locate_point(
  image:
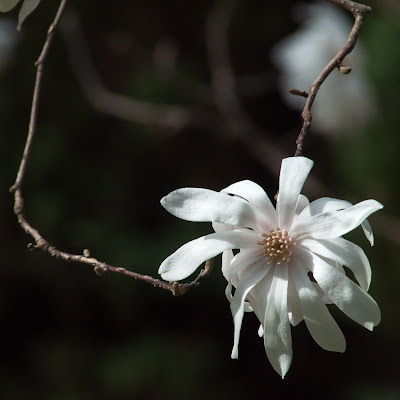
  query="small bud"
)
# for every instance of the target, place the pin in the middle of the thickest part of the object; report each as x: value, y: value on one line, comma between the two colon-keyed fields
x: 86, y: 253
x: 345, y: 70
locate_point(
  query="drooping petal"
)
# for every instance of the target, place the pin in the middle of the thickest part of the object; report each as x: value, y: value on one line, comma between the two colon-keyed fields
x: 366, y: 227
x: 295, y: 312
x: 319, y: 321
x: 187, y: 258
x: 203, y: 205
x: 333, y: 224
x: 251, y: 276
x: 277, y: 335
x: 345, y: 253
x: 227, y: 257
x: 258, y: 297
x: 294, y: 172
x: 257, y: 197
x: 243, y: 259
x: 348, y: 296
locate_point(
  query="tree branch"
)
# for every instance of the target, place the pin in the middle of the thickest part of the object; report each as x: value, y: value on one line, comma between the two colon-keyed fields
x: 41, y: 244
x: 359, y: 12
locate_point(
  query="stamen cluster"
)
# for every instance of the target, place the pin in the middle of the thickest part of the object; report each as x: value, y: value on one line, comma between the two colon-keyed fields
x: 277, y: 246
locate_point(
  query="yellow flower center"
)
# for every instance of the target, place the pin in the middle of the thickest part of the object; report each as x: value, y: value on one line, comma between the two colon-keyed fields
x: 277, y: 246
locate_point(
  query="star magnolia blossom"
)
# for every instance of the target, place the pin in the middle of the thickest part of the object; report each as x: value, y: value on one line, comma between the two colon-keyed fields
x: 279, y: 249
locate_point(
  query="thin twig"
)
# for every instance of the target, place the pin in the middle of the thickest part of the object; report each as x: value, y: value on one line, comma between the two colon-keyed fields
x: 40, y: 243
x: 359, y: 12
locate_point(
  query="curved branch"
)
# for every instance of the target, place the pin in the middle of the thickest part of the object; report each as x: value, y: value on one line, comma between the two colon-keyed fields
x: 359, y: 12
x: 41, y: 244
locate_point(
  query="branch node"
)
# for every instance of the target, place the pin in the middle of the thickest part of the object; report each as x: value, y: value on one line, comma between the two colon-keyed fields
x: 100, y: 269
x: 208, y: 267
x: 178, y: 289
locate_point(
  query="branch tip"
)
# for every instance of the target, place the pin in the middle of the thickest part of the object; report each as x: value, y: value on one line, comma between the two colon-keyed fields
x: 297, y: 92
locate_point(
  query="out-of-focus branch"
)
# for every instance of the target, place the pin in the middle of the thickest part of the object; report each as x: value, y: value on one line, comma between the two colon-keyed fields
x: 41, y: 244
x: 108, y: 102
x: 359, y: 12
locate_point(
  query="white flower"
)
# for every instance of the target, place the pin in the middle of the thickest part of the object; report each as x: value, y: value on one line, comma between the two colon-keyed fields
x: 345, y: 102
x: 279, y: 250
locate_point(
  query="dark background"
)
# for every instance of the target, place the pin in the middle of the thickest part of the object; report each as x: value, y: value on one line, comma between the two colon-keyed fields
x: 95, y: 180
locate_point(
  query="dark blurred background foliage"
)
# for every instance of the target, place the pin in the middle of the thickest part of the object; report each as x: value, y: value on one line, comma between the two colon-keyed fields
x: 94, y: 181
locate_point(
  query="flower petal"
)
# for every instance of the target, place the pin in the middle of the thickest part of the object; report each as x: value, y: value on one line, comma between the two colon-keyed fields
x: 257, y: 197
x: 366, y: 227
x: 277, y: 336
x: 325, y: 204
x: 333, y: 224
x: 344, y: 252
x: 242, y: 260
x: 302, y: 203
x: 348, y: 296
x: 294, y: 172
x: 319, y: 321
x: 187, y: 258
x: 251, y: 276
x: 227, y: 257
x: 295, y: 312
x: 203, y: 205
x: 27, y: 7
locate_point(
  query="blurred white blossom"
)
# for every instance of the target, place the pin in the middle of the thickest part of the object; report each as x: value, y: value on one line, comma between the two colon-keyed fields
x: 8, y: 40
x: 279, y: 249
x: 345, y: 103
x: 27, y: 7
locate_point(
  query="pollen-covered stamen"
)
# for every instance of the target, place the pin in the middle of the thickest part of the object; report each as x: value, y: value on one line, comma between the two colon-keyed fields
x: 277, y: 246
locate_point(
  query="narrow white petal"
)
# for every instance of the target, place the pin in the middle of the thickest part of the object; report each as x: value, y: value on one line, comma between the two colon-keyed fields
x: 239, y: 262
x: 333, y: 224
x: 344, y: 252
x: 203, y: 205
x: 260, y: 331
x: 218, y: 227
x: 348, y: 296
x: 258, y: 297
x: 366, y: 227
x: 294, y: 171
x: 302, y: 203
x: 253, y: 274
x: 187, y: 258
x: 321, y: 205
x: 277, y: 335
x: 319, y: 321
x: 227, y: 257
x: 322, y: 294
x: 244, y: 258
x: 257, y: 197
x: 295, y: 312
x: 325, y: 204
